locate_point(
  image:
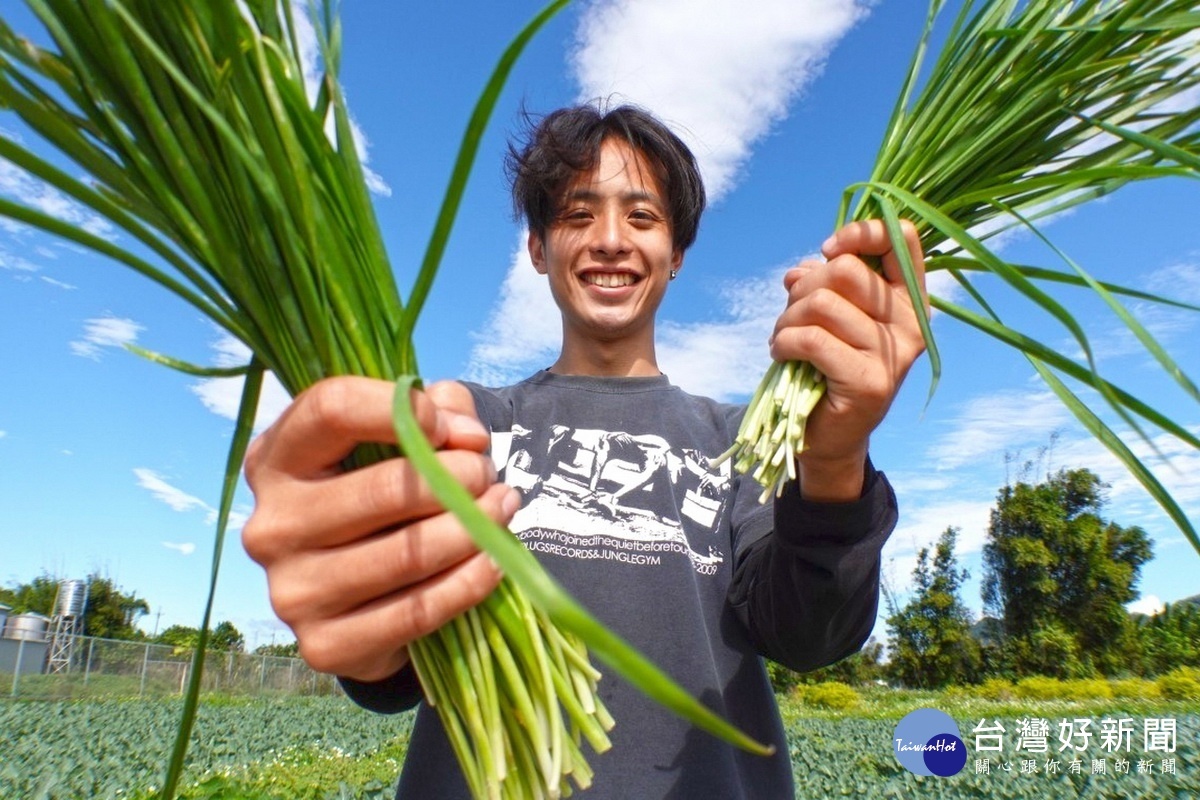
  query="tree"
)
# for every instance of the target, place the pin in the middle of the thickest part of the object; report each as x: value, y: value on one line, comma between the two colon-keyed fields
x: 224, y: 637
x: 181, y: 637
x: 228, y: 638
x: 1170, y: 638
x: 35, y: 597
x: 289, y: 650
x: 1059, y: 576
x: 109, y: 614
x: 930, y: 638
x: 861, y: 666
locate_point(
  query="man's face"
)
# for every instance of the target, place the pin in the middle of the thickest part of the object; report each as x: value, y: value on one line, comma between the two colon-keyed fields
x: 608, y: 252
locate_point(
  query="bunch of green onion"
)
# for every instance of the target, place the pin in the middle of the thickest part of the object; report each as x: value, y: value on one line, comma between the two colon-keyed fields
x: 243, y: 195
x: 1032, y: 107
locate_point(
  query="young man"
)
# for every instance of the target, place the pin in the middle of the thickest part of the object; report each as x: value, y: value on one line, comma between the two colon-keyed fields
x: 612, y: 463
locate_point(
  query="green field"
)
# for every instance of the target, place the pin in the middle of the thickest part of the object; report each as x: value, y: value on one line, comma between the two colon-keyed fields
x: 327, y: 748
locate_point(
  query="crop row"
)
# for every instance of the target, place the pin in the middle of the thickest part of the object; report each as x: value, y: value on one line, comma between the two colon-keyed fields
x: 326, y: 748
x: 853, y: 757
x: 119, y: 748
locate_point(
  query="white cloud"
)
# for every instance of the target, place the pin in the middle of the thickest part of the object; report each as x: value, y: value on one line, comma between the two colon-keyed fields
x: 3, y: 434
x: 58, y: 283
x: 942, y: 284
x: 310, y: 61
x: 1178, y: 470
x: 223, y: 396
x: 922, y: 523
x: 16, y: 263
x: 164, y: 492
x: 518, y: 333
x: 184, y: 548
x: 1180, y: 281
x: 181, y: 501
x: 710, y: 358
x: 235, y: 522
x: 990, y: 426
x: 1041, y: 437
x: 36, y: 194
x: 965, y: 506
x: 101, y: 332
x: 1148, y: 605
x: 721, y: 73
x: 1166, y: 324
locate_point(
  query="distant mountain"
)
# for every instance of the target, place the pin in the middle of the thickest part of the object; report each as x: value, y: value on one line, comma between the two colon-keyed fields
x: 988, y: 631
x: 1194, y: 600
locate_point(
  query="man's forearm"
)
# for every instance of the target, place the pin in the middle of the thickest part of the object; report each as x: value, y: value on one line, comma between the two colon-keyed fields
x: 808, y: 592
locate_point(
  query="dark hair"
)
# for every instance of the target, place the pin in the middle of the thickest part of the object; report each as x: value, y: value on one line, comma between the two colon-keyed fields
x: 566, y: 142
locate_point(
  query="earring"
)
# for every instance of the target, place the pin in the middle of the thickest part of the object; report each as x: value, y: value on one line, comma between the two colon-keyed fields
x: 674, y: 272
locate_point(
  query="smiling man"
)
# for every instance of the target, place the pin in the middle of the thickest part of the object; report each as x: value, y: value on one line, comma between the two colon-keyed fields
x: 684, y: 563
x: 608, y: 244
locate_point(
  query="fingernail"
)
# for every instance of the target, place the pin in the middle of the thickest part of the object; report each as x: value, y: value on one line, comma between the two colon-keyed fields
x: 465, y: 425
x: 510, y: 502
x: 829, y: 243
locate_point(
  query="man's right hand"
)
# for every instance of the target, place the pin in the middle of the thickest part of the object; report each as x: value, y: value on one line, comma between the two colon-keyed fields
x: 361, y: 563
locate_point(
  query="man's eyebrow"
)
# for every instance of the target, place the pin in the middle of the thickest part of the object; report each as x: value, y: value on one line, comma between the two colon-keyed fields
x: 589, y: 195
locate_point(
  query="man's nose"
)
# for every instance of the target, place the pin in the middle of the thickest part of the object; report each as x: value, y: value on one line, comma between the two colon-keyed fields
x: 609, y: 235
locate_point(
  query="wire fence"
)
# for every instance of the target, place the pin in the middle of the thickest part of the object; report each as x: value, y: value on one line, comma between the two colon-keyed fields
x: 85, y: 666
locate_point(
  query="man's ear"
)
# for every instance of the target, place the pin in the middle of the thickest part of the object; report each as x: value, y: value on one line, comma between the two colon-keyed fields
x: 676, y: 260
x: 537, y: 252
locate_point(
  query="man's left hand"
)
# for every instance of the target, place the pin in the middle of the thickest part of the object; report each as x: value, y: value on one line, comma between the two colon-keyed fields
x: 860, y: 329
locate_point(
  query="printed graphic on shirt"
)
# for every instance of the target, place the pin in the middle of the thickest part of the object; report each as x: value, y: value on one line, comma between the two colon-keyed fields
x: 595, y: 494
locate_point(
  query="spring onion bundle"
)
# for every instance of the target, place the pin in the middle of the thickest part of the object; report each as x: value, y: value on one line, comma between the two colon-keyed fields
x: 243, y: 195
x: 1031, y: 108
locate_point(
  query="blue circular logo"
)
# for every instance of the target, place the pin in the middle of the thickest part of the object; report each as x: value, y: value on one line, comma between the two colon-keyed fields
x: 928, y: 742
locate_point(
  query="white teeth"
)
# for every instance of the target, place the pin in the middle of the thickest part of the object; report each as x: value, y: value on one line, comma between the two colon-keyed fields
x: 610, y: 280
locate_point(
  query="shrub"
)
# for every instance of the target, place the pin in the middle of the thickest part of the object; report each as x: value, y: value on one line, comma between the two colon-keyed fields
x: 1087, y: 689
x: 832, y: 695
x: 783, y: 680
x: 1039, y: 687
x: 995, y: 689
x: 1136, y: 689
x: 1181, y: 683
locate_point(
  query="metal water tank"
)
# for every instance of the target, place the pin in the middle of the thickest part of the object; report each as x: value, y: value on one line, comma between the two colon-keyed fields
x: 72, y: 598
x: 30, y: 627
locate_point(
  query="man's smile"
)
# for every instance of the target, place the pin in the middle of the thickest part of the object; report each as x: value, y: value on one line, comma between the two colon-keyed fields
x: 610, y: 280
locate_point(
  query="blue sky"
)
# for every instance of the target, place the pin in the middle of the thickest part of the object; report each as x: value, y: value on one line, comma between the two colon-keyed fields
x: 113, y: 465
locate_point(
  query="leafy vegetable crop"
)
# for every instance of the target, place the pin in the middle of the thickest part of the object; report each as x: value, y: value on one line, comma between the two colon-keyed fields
x: 327, y: 748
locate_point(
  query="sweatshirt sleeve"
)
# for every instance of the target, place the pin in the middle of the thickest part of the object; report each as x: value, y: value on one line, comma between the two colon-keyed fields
x: 391, y: 695
x: 806, y: 574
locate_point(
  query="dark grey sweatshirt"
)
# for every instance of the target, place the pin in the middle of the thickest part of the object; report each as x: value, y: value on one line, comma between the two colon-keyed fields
x: 623, y: 507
